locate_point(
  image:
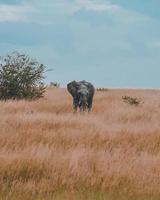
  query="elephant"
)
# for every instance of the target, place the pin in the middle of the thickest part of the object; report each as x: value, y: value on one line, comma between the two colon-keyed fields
x: 82, y: 93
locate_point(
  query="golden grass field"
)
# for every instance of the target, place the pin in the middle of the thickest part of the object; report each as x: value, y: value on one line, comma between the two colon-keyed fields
x: 113, y: 153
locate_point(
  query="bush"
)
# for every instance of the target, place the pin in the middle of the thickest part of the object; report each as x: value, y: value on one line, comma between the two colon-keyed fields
x: 131, y: 100
x: 21, y: 77
x: 54, y: 84
x: 102, y: 89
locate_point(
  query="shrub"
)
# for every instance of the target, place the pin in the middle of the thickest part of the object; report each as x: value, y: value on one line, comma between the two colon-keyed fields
x: 102, y: 89
x: 131, y: 100
x: 54, y: 84
x: 21, y: 77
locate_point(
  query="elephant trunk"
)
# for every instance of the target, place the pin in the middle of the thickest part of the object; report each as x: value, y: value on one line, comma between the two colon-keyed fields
x: 83, y: 103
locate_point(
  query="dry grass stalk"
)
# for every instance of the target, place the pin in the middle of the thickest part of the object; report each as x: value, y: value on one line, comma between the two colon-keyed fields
x: 44, y: 147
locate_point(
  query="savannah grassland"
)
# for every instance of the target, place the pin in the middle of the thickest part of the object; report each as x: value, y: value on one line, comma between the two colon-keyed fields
x: 49, y: 153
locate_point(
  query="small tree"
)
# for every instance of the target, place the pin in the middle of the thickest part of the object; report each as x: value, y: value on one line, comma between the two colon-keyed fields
x: 21, y: 77
x: 54, y: 84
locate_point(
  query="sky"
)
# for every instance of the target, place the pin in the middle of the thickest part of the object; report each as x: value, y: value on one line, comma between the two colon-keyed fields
x: 111, y: 43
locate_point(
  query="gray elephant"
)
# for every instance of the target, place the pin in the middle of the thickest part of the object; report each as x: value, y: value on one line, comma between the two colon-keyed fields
x: 82, y: 93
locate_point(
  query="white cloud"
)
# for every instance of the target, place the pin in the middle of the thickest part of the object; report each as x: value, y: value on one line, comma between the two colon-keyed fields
x: 73, y: 6
x: 97, y: 6
x: 15, y: 12
x: 156, y: 44
x: 50, y: 10
x: 46, y: 10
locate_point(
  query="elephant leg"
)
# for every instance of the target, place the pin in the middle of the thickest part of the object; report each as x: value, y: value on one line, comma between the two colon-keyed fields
x: 75, y: 108
x: 90, y: 104
x: 75, y: 105
x: 81, y: 109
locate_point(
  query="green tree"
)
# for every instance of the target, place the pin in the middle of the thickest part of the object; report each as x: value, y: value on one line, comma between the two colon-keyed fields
x: 21, y: 77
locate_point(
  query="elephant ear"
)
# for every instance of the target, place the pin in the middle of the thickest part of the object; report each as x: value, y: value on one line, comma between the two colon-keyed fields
x: 72, y: 88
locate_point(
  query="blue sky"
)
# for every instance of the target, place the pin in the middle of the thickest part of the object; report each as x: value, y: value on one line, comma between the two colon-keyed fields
x: 112, y: 43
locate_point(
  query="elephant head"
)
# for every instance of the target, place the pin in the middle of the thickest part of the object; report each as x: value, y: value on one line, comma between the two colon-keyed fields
x: 83, y: 97
x: 82, y: 93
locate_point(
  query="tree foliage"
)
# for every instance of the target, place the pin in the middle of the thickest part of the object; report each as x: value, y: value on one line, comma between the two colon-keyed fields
x: 21, y: 77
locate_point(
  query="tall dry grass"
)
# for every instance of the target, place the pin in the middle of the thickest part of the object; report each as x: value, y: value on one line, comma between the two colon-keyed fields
x: 45, y: 149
